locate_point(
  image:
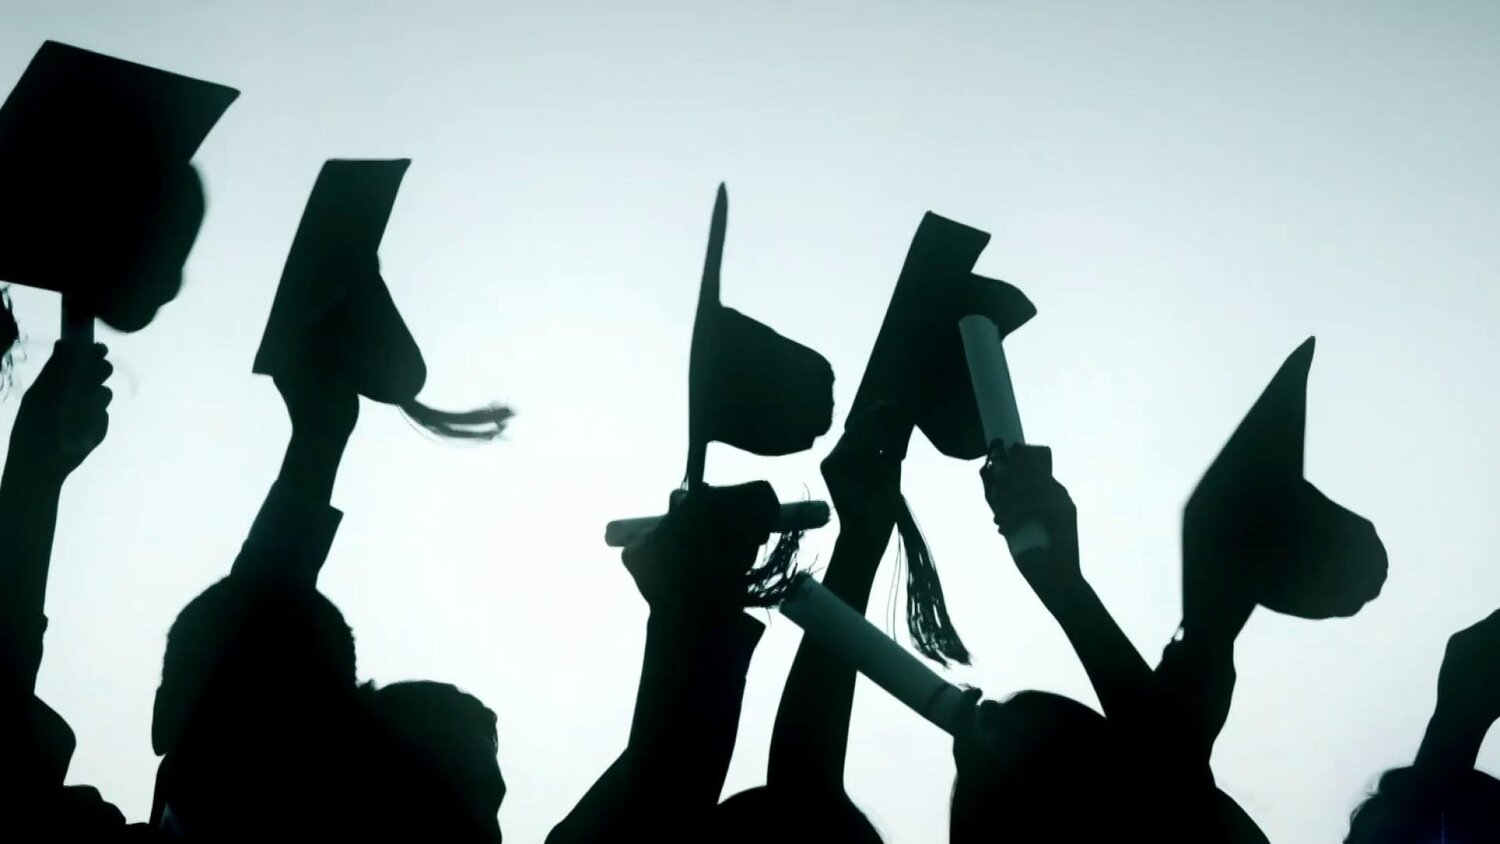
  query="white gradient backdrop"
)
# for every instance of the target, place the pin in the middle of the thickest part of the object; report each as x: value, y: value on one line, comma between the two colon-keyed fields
x: 1186, y: 190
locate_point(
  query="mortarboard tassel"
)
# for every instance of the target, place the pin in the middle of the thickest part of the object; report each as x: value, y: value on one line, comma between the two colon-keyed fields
x: 10, y: 333
x: 768, y: 584
x: 932, y: 631
x: 485, y: 423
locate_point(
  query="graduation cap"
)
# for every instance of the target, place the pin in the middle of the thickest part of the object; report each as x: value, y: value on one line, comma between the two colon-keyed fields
x: 918, y: 364
x: 333, y: 303
x: 748, y: 386
x: 1255, y: 519
x: 919, y: 368
x: 98, y: 198
x: 753, y: 389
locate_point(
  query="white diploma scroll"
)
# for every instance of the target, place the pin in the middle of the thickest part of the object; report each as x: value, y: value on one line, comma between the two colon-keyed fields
x: 848, y: 635
x: 998, y: 413
x: 797, y: 516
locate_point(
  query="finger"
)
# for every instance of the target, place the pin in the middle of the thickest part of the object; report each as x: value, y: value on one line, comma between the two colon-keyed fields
x: 96, y: 370
x: 100, y: 398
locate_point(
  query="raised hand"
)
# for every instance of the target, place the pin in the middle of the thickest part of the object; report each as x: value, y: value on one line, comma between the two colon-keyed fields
x: 1469, y: 682
x: 321, y: 401
x: 697, y: 556
x: 1020, y: 489
x: 64, y: 415
x: 324, y: 407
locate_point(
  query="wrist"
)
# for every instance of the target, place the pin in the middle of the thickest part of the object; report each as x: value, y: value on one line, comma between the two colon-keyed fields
x: 1453, y: 737
x: 1058, y: 587
x: 311, y: 464
x: 26, y: 470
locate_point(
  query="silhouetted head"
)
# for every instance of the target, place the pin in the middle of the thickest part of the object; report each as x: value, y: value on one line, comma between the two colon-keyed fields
x: 256, y: 707
x: 444, y: 783
x: 102, y: 203
x: 138, y: 263
x: 150, y: 266
x: 1038, y: 767
x: 791, y: 817
x: 1467, y: 813
x: 250, y: 650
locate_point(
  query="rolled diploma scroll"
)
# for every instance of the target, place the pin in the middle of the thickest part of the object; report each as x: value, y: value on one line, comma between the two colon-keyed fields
x: 998, y: 413
x: 849, y: 636
x: 77, y: 325
x: 800, y: 515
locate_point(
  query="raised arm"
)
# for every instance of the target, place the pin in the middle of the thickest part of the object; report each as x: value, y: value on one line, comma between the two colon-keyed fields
x: 1020, y: 489
x: 1168, y: 717
x: 811, y: 736
x: 1437, y: 792
x: 294, y: 529
x: 68, y: 394
x: 691, y: 570
x: 36, y: 744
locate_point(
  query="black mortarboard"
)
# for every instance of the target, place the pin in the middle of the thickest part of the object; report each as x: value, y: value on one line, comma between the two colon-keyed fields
x: 333, y: 302
x: 748, y: 386
x: 98, y: 198
x: 918, y: 369
x: 753, y: 389
x: 918, y: 364
x: 1255, y: 520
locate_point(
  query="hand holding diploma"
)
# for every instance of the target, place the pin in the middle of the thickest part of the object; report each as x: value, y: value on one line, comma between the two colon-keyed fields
x: 998, y: 415
x: 64, y: 415
x: 1023, y: 496
x: 791, y: 518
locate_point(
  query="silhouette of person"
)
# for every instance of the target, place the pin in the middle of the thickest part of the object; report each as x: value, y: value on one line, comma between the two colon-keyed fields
x: 441, y: 781
x: 693, y: 570
x: 1143, y: 720
x: 809, y: 743
x: 36, y: 744
x: 257, y: 715
x: 263, y: 728
x: 1441, y: 796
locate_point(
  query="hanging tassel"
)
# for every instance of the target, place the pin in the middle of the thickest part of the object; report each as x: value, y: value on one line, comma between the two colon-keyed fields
x: 927, y: 618
x: 485, y: 423
x: 10, y: 334
x: 767, y: 584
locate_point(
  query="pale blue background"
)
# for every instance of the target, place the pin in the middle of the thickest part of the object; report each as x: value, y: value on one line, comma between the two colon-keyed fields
x: 1186, y: 190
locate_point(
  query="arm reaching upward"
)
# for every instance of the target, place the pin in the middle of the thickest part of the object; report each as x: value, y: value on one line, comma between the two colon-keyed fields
x: 691, y: 570
x: 1166, y: 717
x: 68, y: 394
x: 1441, y: 792
x: 1021, y: 490
x: 294, y: 530
x: 811, y: 736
